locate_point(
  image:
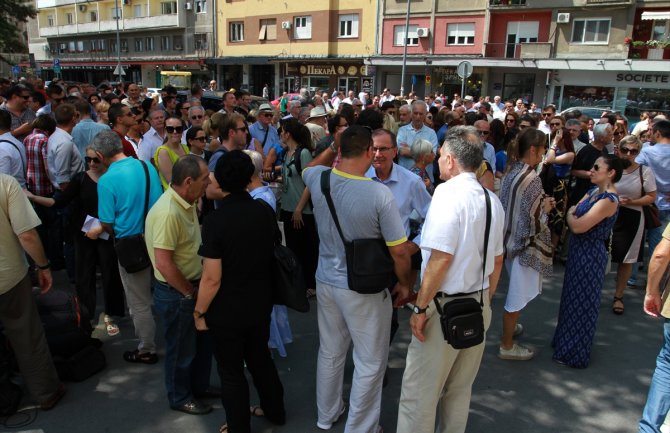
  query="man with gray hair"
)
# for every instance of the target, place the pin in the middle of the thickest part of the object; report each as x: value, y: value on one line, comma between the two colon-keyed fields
x: 417, y: 129
x: 581, y: 166
x: 121, y: 202
x: 293, y: 109
x: 196, y: 117
x: 258, y: 189
x: 575, y: 128
x: 438, y: 377
x: 404, y: 114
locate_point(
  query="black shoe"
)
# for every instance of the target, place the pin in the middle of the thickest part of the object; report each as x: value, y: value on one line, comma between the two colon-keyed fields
x: 193, y: 407
x: 210, y: 392
x: 140, y: 358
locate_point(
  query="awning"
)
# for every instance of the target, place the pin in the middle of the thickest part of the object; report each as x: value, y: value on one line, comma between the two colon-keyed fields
x: 656, y: 15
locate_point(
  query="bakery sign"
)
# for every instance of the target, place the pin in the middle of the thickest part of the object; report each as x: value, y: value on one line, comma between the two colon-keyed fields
x: 325, y: 69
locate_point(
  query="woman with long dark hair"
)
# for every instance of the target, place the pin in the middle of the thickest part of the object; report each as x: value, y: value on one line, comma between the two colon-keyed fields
x: 560, y: 155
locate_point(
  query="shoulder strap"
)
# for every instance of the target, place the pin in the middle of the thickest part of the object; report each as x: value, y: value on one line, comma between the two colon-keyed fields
x: 146, y: 193
x: 265, y: 138
x: 325, y: 190
x: 642, y: 183
x: 487, y: 231
x: 278, y: 235
x: 23, y: 163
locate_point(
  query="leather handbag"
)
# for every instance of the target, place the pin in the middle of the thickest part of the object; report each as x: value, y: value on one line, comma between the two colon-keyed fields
x: 652, y: 216
x: 132, y: 250
x: 462, y: 320
x: 370, y: 266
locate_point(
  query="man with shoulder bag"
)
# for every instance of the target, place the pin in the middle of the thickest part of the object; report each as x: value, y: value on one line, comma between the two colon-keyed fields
x: 126, y: 192
x: 362, y: 243
x: 460, y: 272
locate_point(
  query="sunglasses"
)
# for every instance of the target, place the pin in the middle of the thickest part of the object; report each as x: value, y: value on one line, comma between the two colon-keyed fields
x: 241, y: 128
x: 596, y: 167
x: 522, y: 126
x: 267, y: 114
x: 555, y: 124
x: 202, y: 139
x: 89, y: 160
x: 510, y: 120
x: 199, y: 116
x: 628, y: 151
x: 186, y: 108
x: 546, y: 114
x: 25, y: 97
x: 173, y: 129
x: 483, y: 132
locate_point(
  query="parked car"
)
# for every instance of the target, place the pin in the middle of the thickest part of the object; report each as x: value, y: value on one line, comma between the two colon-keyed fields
x: 291, y: 97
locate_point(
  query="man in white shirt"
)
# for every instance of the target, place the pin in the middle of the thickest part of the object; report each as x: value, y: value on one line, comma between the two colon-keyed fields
x: 155, y: 137
x: 386, y: 96
x: 63, y: 157
x: 408, y: 134
x: 12, y: 151
x: 547, y: 113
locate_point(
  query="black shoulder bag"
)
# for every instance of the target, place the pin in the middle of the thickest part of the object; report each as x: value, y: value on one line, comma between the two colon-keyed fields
x: 132, y: 250
x: 462, y: 319
x: 652, y: 216
x: 369, y: 262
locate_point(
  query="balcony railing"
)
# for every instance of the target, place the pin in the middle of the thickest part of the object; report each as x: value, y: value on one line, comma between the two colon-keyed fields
x: 645, y: 53
x: 506, y: 3
x: 524, y: 50
x: 160, y: 21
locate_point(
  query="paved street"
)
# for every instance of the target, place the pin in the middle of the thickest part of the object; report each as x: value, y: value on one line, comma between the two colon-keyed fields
x: 519, y: 397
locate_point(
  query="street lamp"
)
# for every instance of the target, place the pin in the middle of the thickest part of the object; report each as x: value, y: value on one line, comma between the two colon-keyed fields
x: 404, y: 53
x: 119, y: 70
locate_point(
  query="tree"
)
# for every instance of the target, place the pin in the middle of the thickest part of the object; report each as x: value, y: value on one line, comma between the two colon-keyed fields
x: 12, y: 14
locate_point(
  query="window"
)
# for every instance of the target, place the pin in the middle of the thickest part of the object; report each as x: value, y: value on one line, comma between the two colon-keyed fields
x: 149, y: 43
x: 62, y: 48
x: 200, y: 6
x: 80, y: 46
x: 461, y: 34
x: 116, y: 13
x: 94, y: 16
x: 348, y: 26
x: 591, y: 31
x: 124, y: 45
x: 69, y: 17
x: 236, y: 32
x: 50, y: 20
x: 178, y: 42
x: 399, y: 36
x: 268, y: 30
x: 165, y: 43
x: 520, y: 32
x: 303, y: 27
x: 112, y: 45
x: 98, y: 45
x: 168, y: 8
x: 200, y: 41
x: 71, y: 47
x: 139, y: 44
x: 660, y: 30
x: 138, y: 11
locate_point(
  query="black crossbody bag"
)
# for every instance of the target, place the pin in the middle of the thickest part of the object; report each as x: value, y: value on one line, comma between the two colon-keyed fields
x: 369, y: 262
x: 462, y: 320
x: 132, y: 250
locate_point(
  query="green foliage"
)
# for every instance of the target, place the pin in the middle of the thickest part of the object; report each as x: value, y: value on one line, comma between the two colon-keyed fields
x: 12, y: 13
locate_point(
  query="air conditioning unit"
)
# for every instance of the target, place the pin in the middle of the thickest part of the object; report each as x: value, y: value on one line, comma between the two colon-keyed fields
x: 285, y: 24
x: 422, y: 32
x: 82, y: 8
x: 188, y: 6
x: 563, y: 18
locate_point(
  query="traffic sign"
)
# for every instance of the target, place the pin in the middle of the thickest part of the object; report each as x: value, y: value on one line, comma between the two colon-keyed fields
x: 428, y: 80
x: 119, y: 70
x: 464, y: 69
x: 16, y: 69
x: 56, y: 62
x: 413, y: 80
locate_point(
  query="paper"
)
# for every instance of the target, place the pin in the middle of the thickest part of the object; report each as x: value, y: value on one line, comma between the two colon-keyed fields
x: 91, y: 223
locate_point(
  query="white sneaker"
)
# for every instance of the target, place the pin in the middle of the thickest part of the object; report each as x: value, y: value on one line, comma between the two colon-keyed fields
x: 516, y: 353
x: 328, y: 426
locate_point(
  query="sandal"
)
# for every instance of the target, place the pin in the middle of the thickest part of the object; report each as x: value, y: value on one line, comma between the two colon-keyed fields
x: 112, y: 328
x: 617, y: 310
x: 223, y: 428
x: 140, y: 358
x: 256, y: 411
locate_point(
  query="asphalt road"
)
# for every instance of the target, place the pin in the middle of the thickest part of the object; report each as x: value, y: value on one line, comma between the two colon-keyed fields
x: 508, y: 396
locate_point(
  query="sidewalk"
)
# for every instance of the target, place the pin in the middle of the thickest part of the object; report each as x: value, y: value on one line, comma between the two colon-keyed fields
x: 520, y: 397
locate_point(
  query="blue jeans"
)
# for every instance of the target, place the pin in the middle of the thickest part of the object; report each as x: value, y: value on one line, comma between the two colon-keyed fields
x: 176, y: 314
x: 658, y: 400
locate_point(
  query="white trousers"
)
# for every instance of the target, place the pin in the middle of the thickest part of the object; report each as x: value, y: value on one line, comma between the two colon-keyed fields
x: 438, y: 379
x: 346, y: 316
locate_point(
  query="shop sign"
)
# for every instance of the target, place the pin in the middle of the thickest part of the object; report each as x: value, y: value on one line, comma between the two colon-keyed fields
x: 643, y: 78
x: 449, y: 75
x: 326, y: 69
x: 368, y: 84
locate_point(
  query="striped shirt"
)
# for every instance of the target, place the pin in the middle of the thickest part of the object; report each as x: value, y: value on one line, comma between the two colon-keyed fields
x: 36, y: 154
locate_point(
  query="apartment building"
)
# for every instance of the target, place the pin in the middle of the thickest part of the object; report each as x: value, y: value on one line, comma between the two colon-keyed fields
x: 567, y: 52
x: 288, y: 45
x: 155, y: 35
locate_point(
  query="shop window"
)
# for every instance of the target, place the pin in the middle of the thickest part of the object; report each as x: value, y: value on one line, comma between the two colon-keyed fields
x: 591, y: 31
x: 200, y: 41
x: 139, y: 44
x: 268, y: 30
x: 168, y: 8
x: 461, y: 34
x: 518, y: 86
x: 236, y: 32
x: 302, y: 27
x: 200, y: 6
x: 348, y: 26
x: 94, y: 16
x: 400, y: 36
x: 149, y: 43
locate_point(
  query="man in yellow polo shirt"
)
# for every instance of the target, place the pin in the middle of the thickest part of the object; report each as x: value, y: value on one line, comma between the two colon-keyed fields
x: 173, y: 237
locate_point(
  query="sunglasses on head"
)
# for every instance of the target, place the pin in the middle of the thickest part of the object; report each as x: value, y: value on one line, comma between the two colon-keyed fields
x: 173, y: 129
x: 89, y: 160
x: 628, y: 151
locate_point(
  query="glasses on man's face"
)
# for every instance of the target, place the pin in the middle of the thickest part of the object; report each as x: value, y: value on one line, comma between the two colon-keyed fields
x: 89, y: 160
x: 241, y: 129
x: 267, y: 114
x: 381, y: 149
x: 186, y: 108
x: 628, y: 151
x: 201, y: 139
x: 174, y: 129
x: 197, y: 116
x: 546, y: 114
x: 618, y: 133
x: 25, y: 97
x: 483, y: 132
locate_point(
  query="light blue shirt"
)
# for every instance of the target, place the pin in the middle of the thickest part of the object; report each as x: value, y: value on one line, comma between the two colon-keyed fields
x: 408, y: 190
x: 258, y: 132
x: 408, y: 135
x: 657, y: 158
x: 84, y: 131
x: 265, y: 193
x: 490, y: 155
x: 121, y: 195
x: 13, y: 158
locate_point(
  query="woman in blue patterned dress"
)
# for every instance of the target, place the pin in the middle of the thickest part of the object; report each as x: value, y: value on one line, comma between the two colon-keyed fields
x: 591, y: 222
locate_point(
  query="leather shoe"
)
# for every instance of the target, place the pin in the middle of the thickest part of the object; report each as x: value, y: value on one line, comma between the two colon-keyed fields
x: 210, y: 392
x: 193, y: 407
x: 49, y: 403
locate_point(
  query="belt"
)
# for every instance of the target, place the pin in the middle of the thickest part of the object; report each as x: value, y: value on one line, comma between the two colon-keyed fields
x: 455, y: 295
x: 194, y: 283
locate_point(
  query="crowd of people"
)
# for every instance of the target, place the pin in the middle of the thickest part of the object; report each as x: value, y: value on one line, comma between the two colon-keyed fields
x: 171, y: 201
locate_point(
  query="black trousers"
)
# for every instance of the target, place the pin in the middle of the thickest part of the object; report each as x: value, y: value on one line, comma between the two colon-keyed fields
x: 89, y: 253
x: 304, y: 242
x: 234, y: 346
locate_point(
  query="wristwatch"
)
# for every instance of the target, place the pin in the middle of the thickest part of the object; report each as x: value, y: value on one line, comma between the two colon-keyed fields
x: 45, y: 267
x: 417, y: 310
x: 197, y: 314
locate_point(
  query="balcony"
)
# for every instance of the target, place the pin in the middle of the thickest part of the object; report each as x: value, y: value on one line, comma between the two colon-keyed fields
x: 143, y: 23
x: 524, y: 50
x: 608, y: 2
x: 645, y: 53
x: 506, y: 3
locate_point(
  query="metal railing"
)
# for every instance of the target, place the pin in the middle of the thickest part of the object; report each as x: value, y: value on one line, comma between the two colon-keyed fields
x: 524, y: 50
